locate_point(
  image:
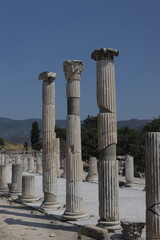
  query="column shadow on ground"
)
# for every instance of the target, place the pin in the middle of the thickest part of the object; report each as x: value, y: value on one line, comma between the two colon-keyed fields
x: 25, y: 215
x: 12, y: 221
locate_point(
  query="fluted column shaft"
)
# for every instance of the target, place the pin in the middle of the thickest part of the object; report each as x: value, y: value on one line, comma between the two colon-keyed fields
x: 153, y: 186
x: 74, y: 206
x: 49, y: 141
x: 28, y: 189
x: 16, y: 185
x: 107, y: 138
x: 3, y: 179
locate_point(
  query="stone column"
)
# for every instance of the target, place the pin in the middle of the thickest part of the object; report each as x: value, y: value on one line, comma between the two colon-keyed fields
x: 16, y: 185
x: 38, y: 165
x: 28, y: 189
x: 31, y: 164
x: 129, y: 171
x: 49, y: 141
x: 18, y: 159
x: 92, y: 175
x: 58, y: 156
x: 25, y: 163
x: 107, y: 138
x: 3, y: 179
x: 2, y: 160
x: 152, y: 186
x: 74, y: 208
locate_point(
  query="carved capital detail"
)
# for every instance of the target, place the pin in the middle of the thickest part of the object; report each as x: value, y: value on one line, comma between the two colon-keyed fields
x: 73, y: 69
x: 104, y: 53
x: 47, y: 76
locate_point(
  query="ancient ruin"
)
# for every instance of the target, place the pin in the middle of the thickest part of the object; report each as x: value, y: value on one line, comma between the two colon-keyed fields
x: 74, y: 204
x: 153, y: 186
x: 49, y: 141
x: 107, y: 138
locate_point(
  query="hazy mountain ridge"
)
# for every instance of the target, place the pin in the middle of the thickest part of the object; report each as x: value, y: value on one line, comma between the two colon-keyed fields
x: 18, y: 131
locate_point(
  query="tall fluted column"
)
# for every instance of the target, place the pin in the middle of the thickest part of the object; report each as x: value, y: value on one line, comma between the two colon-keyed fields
x: 74, y: 208
x: 49, y: 141
x: 107, y: 138
x: 153, y: 186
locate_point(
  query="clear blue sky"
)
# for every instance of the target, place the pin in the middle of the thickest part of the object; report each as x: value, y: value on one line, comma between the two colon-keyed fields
x: 39, y: 35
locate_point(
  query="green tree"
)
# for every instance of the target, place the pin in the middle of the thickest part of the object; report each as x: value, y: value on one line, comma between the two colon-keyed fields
x: 35, y: 136
x: 153, y: 126
x: 89, y: 138
x: 131, y: 141
x: 2, y: 142
x: 26, y: 146
x: 61, y: 133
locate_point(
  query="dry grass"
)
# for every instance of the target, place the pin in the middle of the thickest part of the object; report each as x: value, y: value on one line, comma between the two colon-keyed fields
x: 14, y: 146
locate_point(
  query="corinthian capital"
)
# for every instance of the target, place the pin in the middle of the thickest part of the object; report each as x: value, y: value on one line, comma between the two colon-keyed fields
x: 47, y: 76
x: 73, y: 69
x: 104, y: 53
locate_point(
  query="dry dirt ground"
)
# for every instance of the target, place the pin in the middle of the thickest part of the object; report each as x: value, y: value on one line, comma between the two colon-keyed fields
x: 20, y: 222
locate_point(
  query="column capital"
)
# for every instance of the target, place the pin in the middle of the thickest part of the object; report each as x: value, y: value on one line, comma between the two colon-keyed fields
x: 73, y: 69
x: 104, y: 53
x: 47, y: 76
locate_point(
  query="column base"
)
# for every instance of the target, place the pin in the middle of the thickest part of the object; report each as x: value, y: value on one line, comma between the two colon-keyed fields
x: 111, y: 226
x: 15, y: 193
x: 4, y: 190
x: 50, y: 205
x: 129, y: 184
x: 73, y: 216
x: 28, y: 199
x: 92, y: 180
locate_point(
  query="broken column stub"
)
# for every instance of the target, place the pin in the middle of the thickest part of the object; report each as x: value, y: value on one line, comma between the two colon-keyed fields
x: 92, y: 175
x: 3, y: 179
x: 58, y: 156
x: 28, y: 189
x: 107, y: 138
x: 74, y: 205
x: 129, y: 171
x: 16, y: 185
x: 152, y: 162
x: 49, y: 142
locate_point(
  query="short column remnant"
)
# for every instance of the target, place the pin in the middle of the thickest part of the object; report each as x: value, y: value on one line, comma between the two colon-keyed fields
x: 58, y: 156
x: 16, y: 184
x: 152, y: 153
x: 107, y: 138
x: 25, y: 163
x: 31, y: 164
x: 28, y: 189
x: 129, y: 171
x: 74, y: 206
x: 49, y: 142
x: 38, y: 165
x: 18, y: 159
x: 2, y: 162
x: 3, y: 179
x: 93, y: 173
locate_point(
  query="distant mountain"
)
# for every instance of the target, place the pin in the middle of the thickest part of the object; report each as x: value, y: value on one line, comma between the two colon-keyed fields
x: 133, y: 123
x: 18, y: 131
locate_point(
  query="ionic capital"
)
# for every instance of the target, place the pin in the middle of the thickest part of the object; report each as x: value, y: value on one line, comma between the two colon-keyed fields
x: 104, y: 53
x: 47, y: 76
x: 73, y: 69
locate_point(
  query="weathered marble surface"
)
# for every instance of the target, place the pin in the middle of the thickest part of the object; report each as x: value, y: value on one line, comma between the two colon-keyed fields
x: 74, y: 199
x: 107, y: 138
